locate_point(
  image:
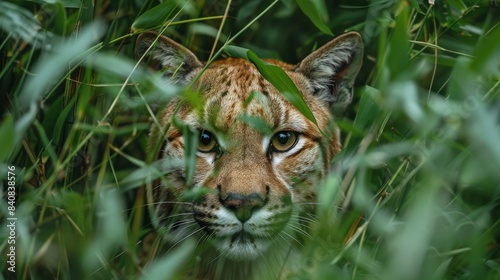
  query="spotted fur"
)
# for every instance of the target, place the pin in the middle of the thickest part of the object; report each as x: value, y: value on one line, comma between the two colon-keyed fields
x: 257, y: 199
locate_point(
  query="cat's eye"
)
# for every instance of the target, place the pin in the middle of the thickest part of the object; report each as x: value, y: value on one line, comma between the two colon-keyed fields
x: 283, y: 141
x: 207, y: 142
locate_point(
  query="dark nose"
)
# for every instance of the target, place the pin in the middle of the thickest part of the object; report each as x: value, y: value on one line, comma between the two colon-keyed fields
x: 243, y: 206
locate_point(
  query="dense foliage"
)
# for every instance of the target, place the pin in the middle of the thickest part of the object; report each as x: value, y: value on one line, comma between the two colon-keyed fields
x: 421, y: 162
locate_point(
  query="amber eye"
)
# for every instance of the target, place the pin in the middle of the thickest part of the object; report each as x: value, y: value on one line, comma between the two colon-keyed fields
x: 207, y: 142
x: 283, y: 141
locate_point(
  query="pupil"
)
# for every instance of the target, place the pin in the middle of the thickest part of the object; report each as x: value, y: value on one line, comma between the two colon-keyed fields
x: 283, y: 138
x: 205, y: 138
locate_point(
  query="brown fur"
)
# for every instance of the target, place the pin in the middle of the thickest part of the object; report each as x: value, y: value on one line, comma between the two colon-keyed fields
x: 256, y: 196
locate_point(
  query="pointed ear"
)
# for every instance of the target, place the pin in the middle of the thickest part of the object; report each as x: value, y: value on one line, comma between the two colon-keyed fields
x: 177, y: 63
x: 332, y: 69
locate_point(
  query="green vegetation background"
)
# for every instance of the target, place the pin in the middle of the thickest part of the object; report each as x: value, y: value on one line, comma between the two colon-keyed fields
x: 420, y: 169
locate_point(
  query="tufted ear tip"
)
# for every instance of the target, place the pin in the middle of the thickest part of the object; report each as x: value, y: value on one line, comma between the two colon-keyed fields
x: 177, y: 63
x: 332, y: 70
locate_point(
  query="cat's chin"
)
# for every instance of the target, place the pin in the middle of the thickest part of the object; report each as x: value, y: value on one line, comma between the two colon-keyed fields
x: 242, y: 247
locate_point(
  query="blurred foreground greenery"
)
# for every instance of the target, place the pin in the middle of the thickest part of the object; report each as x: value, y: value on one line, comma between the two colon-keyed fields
x: 421, y: 160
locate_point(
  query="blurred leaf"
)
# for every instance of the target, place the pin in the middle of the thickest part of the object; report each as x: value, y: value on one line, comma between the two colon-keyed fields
x: 416, y: 6
x: 61, y: 120
x: 409, y: 243
x: 111, y: 229
x: 403, y: 95
x: 190, y: 150
x: 459, y: 4
x: 166, y: 267
x: 378, y: 156
x: 190, y: 137
x: 257, y: 123
x: 463, y: 81
x: 74, y: 203
x: 64, y: 3
x: 248, y: 9
x: 368, y: 109
x: 316, y: 12
x: 7, y: 137
x: 110, y: 213
x: 48, y: 70
x: 22, y: 24
x: 70, y: 3
x: 51, y: 67
x: 328, y: 193
x: 24, y: 122
x: 157, y: 16
x: 194, y: 99
x: 487, y: 54
x: 120, y: 131
x: 112, y: 63
x: 277, y: 77
x: 485, y: 134
x: 205, y: 29
x: 139, y: 176
x: 147, y: 173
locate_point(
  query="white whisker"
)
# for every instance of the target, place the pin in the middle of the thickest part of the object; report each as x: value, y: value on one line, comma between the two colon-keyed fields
x: 293, y: 238
x: 216, y: 258
x: 284, y: 238
x: 186, y: 237
x: 299, y: 230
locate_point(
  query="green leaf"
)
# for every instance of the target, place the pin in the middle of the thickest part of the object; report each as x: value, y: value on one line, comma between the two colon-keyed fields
x: 277, y: 77
x: 415, y: 5
x: 111, y: 229
x: 487, y: 53
x: 64, y: 3
x: 60, y: 20
x: 368, y: 109
x: 399, y: 45
x: 191, y: 144
x: 157, y: 16
x: 73, y: 203
x: 256, y: 122
x: 70, y: 3
x: 112, y: 63
x: 6, y: 137
x: 143, y: 174
x: 205, y: 29
x: 61, y: 119
x: 166, y: 267
x: 312, y: 9
x: 50, y: 68
x: 86, y: 11
x: 248, y: 9
x: 459, y: 4
x: 22, y: 24
x: 190, y: 137
x: 407, y: 102
x: 25, y: 121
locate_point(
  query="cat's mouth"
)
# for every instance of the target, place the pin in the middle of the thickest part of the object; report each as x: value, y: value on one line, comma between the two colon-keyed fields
x: 242, y: 240
x: 242, y: 246
x: 242, y: 237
